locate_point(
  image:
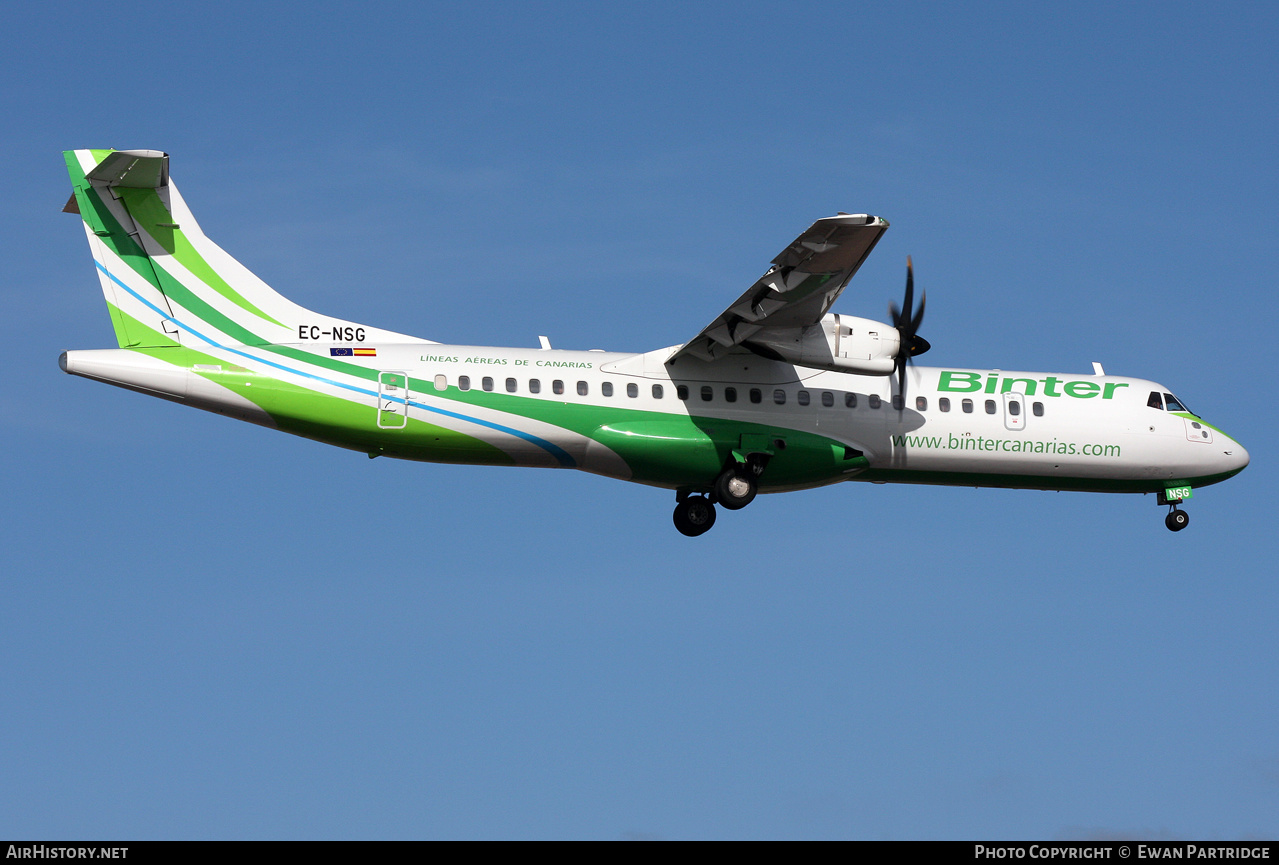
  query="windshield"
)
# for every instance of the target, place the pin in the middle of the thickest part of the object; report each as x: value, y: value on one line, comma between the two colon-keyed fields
x: 1174, y: 404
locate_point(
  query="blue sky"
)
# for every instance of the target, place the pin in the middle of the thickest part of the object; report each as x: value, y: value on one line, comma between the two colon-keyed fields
x: 215, y: 631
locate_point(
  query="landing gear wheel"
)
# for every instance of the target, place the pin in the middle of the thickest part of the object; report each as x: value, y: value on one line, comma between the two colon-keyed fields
x: 694, y: 516
x: 735, y: 489
x: 1177, y: 520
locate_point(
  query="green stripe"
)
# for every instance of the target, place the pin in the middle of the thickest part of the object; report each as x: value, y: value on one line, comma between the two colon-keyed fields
x: 149, y: 212
x: 669, y: 448
x: 143, y: 336
x: 346, y: 423
x: 118, y: 323
x: 331, y: 419
x: 1036, y: 482
x: 99, y: 219
x: 1189, y: 416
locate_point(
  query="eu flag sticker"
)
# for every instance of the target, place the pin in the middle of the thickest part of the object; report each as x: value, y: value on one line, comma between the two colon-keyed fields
x: 339, y: 352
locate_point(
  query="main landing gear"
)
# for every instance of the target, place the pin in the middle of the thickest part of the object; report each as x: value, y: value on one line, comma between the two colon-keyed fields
x: 735, y: 488
x: 694, y: 516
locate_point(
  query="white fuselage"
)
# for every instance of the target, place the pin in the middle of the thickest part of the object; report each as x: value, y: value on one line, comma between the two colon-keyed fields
x: 1041, y: 430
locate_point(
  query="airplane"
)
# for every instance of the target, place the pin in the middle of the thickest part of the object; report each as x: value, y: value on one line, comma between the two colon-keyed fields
x: 775, y: 394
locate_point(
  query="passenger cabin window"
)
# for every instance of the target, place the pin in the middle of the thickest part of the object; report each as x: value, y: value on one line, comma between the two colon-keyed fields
x: 463, y: 382
x: 441, y: 382
x: 511, y: 385
x: 582, y: 389
x: 990, y: 406
x: 850, y: 400
x: 607, y: 388
x: 803, y: 397
x: 534, y: 385
x: 779, y: 396
x: 487, y: 383
x: 898, y: 402
x: 828, y: 398
x: 730, y: 394
x: 921, y: 403
x: 657, y: 391
x: 1014, y: 407
x: 757, y: 395
x: 968, y: 406
x: 943, y: 403
x: 1155, y: 400
x: 707, y: 393
x: 632, y: 390
x: 557, y: 386
x: 1038, y: 409
x: 681, y: 391
x: 873, y: 400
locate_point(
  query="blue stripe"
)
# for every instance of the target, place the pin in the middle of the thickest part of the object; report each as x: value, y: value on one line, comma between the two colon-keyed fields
x: 562, y: 456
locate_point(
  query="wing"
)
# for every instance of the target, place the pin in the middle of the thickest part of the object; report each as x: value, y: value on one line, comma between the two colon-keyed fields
x: 798, y: 289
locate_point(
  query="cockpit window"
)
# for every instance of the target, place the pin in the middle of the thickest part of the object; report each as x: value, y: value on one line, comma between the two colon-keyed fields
x: 1155, y: 401
x: 1172, y: 404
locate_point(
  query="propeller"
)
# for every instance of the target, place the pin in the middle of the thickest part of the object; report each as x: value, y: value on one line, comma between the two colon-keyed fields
x: 907, y: 323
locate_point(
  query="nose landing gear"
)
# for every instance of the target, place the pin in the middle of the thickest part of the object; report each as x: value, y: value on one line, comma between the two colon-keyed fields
x: 1176, y: 519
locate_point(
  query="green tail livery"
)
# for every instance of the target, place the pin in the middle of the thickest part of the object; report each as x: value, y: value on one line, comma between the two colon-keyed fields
x: 775, y: 394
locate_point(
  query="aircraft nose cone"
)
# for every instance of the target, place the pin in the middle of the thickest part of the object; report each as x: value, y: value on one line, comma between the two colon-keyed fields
x: 1238, y: 457
x: 1231, y: 457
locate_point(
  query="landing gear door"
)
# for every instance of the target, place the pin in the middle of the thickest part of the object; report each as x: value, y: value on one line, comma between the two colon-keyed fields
x: 1015, y: 411
x: 392, y: 400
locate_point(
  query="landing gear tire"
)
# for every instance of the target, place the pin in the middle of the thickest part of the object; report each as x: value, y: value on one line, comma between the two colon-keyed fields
x: 735, y: 489
x: 694, y: 516
x: 1177, y: 520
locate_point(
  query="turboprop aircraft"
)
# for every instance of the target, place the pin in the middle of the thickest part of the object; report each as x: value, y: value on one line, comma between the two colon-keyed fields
x: 775, y: 394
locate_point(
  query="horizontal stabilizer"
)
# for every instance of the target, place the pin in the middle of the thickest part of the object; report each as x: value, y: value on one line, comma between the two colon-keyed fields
x: 133, y: 169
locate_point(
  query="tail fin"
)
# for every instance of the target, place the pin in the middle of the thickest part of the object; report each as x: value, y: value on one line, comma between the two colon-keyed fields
x: 165, y: 282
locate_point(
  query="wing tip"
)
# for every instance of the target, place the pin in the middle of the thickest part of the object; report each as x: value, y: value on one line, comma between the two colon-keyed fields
x: 858, y: 219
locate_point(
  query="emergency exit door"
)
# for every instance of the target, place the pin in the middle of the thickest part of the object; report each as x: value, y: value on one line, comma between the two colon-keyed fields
x: 1015, y: 411
x: 392, y: 400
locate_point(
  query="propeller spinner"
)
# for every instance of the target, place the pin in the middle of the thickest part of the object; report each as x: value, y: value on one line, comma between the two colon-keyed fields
x: 907, y: 325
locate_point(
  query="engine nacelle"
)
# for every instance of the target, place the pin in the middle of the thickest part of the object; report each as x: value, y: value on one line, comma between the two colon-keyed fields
x: 842, y: 343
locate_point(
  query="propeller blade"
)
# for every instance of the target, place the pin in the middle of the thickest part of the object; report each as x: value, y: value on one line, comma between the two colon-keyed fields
x: 907, y: 321
x: 908, y: 303
x: 919, y: 316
